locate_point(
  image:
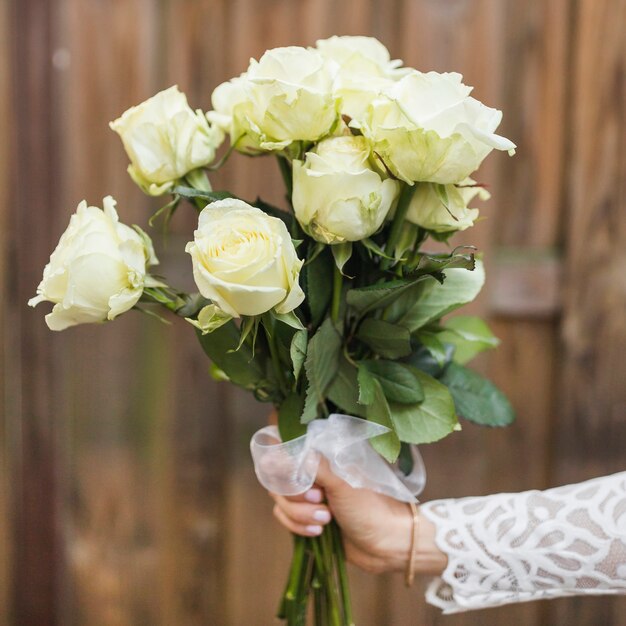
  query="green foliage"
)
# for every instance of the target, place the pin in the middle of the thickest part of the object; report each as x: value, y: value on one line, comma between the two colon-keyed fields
x: 241, y: 367
x: 432, y: 341
x: 422, y: 359
x: 291, y: 319
x: 297, y: 351
x: 430, y: 420
x: 388, y: 340
x: 435, y: 263
x: 317, y: 282
x: 344, y: 390
x: 373, y: 297
x: 476, y: 398
x: 399, y: 382
x: 289, y: 424
x: 429, y: 300
x: 374, y: 249
x: 189, y: 193
x: 321, y: 364
x: 387, y: 444
x: 342, y: 253
x: 469, y: 336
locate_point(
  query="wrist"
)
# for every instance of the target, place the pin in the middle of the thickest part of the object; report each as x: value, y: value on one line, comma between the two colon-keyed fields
x: 428, y: 559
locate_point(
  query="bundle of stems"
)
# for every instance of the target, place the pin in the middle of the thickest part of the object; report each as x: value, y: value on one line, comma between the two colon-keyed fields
x: 318, y: 573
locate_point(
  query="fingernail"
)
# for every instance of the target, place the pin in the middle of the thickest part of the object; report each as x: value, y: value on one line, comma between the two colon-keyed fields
x: 313, y: 495
x: 322, y: 516
x: 314, y: 530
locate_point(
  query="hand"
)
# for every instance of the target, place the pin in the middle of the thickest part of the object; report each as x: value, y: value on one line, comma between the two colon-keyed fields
x: 376, y: 529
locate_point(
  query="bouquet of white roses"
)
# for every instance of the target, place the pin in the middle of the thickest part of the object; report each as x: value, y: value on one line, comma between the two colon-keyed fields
x: 333, y: 305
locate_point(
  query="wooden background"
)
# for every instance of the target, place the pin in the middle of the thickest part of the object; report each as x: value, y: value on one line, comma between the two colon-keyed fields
x: 127, y: 495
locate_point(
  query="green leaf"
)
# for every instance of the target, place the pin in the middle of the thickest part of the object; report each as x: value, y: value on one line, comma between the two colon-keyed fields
x: 435, y: 346
x: 423, y: 360
x: 366, y: 385
x: 291, y: 319
x: 321, y: 364
x: 210, y: 318
x: 344, y: 390
x: 189, y: 193
x: 476, y: 398
x: 387, y: 444
x: 289, y: 424
x: 407, y: 240
x: 386, y: 339
x: 428, y: 421
x: 469, y: 336
x: 366, y: 299
x: 297, y: 351
x: 217, y: 374
x: 239, y: 365
x: 249, y: 325
x: 434, y: 263
x: 317, y: 278
x: 405, y: 460
x: 429, y: 300
x: 373, y: 247
x: 400, y: 382
x: 342, y: 253
x: 168, y: 210
x: 194, y: 303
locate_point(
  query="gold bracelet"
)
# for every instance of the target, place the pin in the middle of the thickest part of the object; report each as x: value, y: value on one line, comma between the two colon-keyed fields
x: 410, y: 570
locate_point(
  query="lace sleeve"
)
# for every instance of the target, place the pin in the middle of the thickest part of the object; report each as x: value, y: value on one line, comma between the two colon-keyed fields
x: 517, y: 547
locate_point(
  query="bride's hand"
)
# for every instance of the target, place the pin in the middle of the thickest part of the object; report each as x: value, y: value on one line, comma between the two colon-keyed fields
x: 376, y: 529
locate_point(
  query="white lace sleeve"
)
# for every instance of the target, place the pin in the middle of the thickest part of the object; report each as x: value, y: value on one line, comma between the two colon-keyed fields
x: 517, y: 547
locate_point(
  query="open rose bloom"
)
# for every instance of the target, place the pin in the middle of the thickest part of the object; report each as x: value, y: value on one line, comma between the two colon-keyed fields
x: 98, y: 270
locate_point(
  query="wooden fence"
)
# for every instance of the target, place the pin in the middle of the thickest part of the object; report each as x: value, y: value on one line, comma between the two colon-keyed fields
x: 128, y: 497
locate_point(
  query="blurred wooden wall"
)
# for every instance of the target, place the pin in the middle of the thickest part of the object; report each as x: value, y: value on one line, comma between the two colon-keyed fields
x: 127, y: 494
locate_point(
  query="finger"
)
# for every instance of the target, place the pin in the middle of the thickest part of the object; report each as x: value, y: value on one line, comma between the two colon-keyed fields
x: 304, y: 512
x: 306, y: 530
x: 314, y: 495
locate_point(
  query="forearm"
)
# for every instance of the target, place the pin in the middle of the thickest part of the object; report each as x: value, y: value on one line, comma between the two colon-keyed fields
x: 532, y: 545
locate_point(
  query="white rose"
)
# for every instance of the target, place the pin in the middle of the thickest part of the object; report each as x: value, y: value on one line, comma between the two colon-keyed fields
x: 244, y: 260
x: 225, y: 98
x: 427, y: 209
x: 98, y: 269
x: 427, y: 128
x: 363, y: 69
x: 286, y: 96
x: 165, y: 140
x: 365, y: 55
x: 337, y: 196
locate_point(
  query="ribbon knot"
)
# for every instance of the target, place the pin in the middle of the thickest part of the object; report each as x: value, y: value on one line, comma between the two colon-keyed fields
x: 289, y: 468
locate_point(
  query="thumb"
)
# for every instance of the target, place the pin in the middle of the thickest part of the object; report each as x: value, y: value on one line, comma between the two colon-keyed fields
x: 328, y: 480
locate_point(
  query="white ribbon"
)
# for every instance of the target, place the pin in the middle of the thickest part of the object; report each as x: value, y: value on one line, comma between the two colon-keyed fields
x: 290, y: 468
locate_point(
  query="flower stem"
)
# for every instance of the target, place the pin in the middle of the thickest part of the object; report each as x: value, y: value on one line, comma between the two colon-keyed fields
x: 336, y: 301
x: 322, y: 550
x: 340, y: 560
x: 270, y: 333
x: 286, y: 173
x: 398, y: 221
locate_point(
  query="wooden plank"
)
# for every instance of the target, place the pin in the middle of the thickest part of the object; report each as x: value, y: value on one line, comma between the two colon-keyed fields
x: 525, y: 283
x: 114, y: 391
x: 6, y: 173
x: 30, y: 392
x: 591, y: 427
